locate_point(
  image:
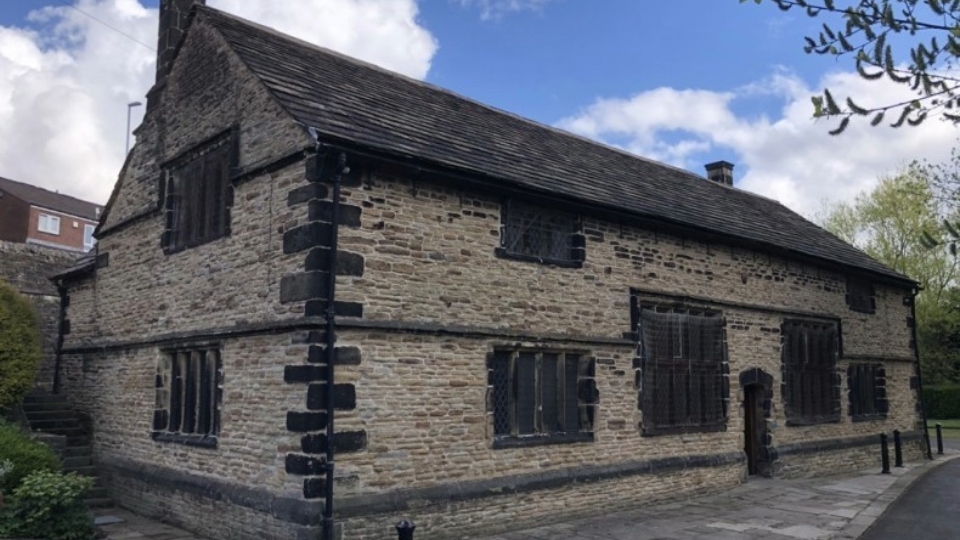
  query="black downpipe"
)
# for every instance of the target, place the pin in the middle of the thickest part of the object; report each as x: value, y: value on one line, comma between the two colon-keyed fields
x: 331, y: 340
x: 916, y: 352
x: 60, y: 328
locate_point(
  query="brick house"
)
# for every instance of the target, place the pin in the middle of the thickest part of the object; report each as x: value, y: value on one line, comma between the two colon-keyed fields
x: 488, y: 322
x: 33, y: 215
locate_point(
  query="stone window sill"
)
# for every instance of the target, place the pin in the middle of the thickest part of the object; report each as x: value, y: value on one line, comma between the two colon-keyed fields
x: 504, y: 254
x: 200, y: 441
x: 541, y: 440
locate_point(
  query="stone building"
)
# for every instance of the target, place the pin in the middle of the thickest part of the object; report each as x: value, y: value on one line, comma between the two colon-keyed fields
x: 488, y: 322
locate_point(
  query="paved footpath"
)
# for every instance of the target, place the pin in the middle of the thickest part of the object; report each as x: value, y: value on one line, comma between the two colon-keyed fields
x: 839, y: 508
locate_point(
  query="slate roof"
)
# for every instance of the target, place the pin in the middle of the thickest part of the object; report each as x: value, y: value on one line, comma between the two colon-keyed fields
x: 48, y: 199
x: 349, y: 100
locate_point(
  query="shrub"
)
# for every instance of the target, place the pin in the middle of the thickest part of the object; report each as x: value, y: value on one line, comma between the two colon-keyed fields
x: 20, y: 352
x: 942, y: 402
x: 26, y: 455
x: 50, y: 506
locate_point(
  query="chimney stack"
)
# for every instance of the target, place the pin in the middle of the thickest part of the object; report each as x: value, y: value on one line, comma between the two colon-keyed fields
x: 174, y: 15
x: 720, y: 172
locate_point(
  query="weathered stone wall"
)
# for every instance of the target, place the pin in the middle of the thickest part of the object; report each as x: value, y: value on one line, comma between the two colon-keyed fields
x: 27, y: 268
x: 229, y: 281
x: 413, y: 393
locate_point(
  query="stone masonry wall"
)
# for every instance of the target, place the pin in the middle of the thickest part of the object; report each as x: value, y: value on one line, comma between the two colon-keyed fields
x: 412, y: 397
x: 430, y: 258
x: 231, y: 280
x: 27, y: 268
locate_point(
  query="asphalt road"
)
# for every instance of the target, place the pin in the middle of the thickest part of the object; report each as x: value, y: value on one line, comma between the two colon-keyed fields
x: 928, y: 510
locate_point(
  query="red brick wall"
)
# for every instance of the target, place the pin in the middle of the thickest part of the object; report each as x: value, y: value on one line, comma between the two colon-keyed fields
x: 13, y: 218
x: 70, y: 237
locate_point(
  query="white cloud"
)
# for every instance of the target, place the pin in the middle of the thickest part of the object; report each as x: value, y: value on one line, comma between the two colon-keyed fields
x: 66, y: 79
x: 495, y: 9
x: 789, y: 156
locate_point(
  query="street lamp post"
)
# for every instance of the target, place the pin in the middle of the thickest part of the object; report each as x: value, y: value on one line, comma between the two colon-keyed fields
x: 130, y: 107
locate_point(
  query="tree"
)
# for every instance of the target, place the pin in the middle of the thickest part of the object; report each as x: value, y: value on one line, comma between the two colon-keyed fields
x: 914, y: 43
x: 20, y: 352
x: 892, y: 224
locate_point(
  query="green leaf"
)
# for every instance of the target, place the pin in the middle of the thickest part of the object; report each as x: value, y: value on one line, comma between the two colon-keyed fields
x: 877, y: 118
x: 842, y: 127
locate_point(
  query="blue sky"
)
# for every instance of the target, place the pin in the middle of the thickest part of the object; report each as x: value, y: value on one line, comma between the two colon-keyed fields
x: 683, y: 82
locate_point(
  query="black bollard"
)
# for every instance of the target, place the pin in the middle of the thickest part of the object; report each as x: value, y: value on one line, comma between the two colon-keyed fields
x: 897, y: 452
x: 884, y: 454
x: 939, y: 438
x: 405, y: 530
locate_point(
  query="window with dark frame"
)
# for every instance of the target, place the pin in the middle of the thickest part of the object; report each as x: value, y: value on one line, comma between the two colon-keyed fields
x: 811, y: 384
x: 198, y: 196
x: 535, y: 233
x: 861, y: 296
x: 866, y: 387
x: 541, y: 397
x: 682, y: 383
x: 188, y: 396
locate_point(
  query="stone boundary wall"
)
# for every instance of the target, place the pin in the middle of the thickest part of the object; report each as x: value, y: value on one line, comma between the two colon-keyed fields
x: 27, y: 267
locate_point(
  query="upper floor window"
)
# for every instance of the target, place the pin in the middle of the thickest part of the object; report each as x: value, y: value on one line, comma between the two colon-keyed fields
x: 541, y: 397
x: 198, y: 196
x: 861, y: 296
x: 682, y: 359
x: 49, y: 224
x: 811, y: 385
x: 88, y: 240
x: 534, y: 233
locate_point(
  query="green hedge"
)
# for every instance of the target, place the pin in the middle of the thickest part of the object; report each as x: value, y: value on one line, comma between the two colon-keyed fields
x: 942, y: 402
x: 26, y: 455
x: 20, y: 351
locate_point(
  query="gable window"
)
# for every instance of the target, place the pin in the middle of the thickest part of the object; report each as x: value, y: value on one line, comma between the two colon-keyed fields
x: 538, y: 234
x: 811, y: 385
x: 682, y: 362
x: 198, y: 196
x: 866, y: 385
x: 49, y: 224
x: 861, y: 296
x: 88, y: 240
x: 188, y: 398
x: 541, y: 397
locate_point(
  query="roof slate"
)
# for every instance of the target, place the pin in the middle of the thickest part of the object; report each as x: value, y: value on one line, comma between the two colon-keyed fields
x: 349, y: 100
x: 51, y: 200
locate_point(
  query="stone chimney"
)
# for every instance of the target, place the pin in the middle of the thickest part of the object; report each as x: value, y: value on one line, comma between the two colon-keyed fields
x: 720, y: 172
x: 174, y: 15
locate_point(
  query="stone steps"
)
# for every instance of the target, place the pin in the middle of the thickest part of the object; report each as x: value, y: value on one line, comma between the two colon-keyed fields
x: 48, y: 413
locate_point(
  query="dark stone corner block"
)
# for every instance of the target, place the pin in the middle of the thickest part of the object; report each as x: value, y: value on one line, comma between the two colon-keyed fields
x: 343, y: 356
x: 306, y: 193
x: 303, y: 286
x: 314, y: 488
x: 301, y: 422
x: 318, y: 308
x: 349, y: 215
x: 307, y: 236
x: 304, y: 465
x: 344, y: 397
x: 344, y: 442
x: 303, y: 373
x: 348, y: 264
